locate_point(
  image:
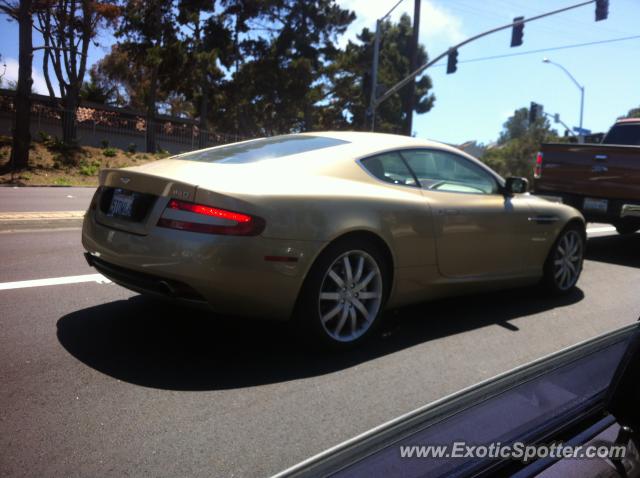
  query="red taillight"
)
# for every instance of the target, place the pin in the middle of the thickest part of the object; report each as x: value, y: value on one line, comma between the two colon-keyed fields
x: 208, y: 211
x: 537, y: 170
x: 246, y: 225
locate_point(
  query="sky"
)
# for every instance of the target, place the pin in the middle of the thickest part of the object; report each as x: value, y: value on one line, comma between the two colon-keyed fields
x: 474, y: 102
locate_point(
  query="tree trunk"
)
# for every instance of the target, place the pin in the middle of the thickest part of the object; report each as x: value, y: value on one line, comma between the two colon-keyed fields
x: 151, y: 111
x: 70, y: 105
x: 203, y: 139
x: 308, y: 116
x: 22, y: 102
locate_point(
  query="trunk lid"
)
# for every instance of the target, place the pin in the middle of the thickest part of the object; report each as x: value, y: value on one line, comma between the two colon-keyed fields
x: 133, y: 201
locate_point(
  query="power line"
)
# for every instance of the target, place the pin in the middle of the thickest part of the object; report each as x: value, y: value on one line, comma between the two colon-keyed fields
x: 542, y: 50
x: 450, y: 52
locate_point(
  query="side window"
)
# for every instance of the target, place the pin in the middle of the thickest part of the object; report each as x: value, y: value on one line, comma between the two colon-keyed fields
x: 390, y: 168
x: 442, y: 171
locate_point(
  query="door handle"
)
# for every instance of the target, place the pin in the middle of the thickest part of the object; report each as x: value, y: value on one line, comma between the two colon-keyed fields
x: 544, y: 219
x: 448, y: 212
x: 600, y: 157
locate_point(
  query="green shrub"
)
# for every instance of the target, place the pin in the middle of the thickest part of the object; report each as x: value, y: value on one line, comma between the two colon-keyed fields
x: 163, y: 153
x: 63, y: 153
x: 110, y: 152
x: 132, y: 148
x: 89, y: 168
x: 104, y: 144
x: 43, y: 137
x: 64, y: 181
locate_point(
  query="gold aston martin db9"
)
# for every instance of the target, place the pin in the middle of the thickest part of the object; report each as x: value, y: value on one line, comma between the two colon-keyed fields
x: 326, y: 229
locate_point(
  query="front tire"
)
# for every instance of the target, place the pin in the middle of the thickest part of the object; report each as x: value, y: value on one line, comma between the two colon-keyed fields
x: 564, y: 264
x: 344, y: 294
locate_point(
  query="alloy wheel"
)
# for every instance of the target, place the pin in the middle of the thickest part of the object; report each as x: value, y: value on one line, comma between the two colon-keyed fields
x: 350, y: 296
x: 567, y: 262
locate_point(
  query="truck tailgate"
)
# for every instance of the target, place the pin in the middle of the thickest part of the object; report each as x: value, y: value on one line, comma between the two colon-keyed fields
x: 594, y: 170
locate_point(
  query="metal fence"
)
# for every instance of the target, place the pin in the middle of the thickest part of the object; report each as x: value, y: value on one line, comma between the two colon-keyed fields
x: 100, y: 125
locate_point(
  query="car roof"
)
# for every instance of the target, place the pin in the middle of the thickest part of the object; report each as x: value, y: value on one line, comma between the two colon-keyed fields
x: 374, y: 142
x: 358, y: 145
x: 349, y: 145
x: 628, y: 120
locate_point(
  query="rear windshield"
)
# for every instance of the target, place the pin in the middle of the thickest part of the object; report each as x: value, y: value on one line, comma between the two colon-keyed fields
x: 261, y: 149
x: 628, y: 134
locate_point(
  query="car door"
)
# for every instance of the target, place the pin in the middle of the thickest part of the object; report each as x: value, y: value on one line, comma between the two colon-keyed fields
x: 480, y: 232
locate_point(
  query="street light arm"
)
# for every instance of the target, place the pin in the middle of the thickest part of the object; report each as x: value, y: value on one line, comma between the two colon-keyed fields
x: 419, y: 70
x: 390, y: 11
x: 567, y: 72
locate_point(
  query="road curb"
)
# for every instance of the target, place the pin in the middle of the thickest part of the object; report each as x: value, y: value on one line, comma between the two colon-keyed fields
x: 19, y: 186
x: 11, y: 222
x: 7, y: 227
x: 39, y: 216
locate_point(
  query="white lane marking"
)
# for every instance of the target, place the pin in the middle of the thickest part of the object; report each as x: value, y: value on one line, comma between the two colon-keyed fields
x: 99, y: 278
x: 601, y: 229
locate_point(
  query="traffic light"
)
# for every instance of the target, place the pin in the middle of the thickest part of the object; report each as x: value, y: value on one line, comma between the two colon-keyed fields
x: 517, y: 32
x: 602, y: 10
x: 535, y: 111
x: 452, y: 61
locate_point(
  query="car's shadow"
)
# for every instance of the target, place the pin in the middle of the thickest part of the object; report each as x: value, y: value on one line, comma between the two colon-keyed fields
x: 618, y: 250
x: 153, y: 344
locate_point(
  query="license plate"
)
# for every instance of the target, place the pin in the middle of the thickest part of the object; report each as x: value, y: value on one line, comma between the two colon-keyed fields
x: 598, y: 205
x: 121, y: 204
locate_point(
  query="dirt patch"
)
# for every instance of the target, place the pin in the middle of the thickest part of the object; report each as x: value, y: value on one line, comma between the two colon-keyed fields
x: 50, y: 164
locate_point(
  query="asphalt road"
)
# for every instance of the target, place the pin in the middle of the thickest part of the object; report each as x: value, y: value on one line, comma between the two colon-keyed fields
x: 98, y: 381
x: 16, y: 199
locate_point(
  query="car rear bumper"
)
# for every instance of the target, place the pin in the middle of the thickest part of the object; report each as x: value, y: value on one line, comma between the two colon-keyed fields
x: 618, y: 210
x: 231, y: 275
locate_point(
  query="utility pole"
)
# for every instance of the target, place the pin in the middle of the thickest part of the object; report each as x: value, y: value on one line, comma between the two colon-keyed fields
x: 413, y: 64
x: 374, y: 76
x: 371, y: 113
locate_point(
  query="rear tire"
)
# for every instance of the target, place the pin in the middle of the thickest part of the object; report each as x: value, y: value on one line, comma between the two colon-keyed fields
x: 624, y: 229
x: 344, y: 294
x: 564, y: 263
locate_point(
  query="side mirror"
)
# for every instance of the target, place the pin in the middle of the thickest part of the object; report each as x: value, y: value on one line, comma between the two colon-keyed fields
x: 516, y: 185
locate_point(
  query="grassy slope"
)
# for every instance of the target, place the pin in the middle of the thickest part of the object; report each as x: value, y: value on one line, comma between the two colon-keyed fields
x: 47, y: 166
